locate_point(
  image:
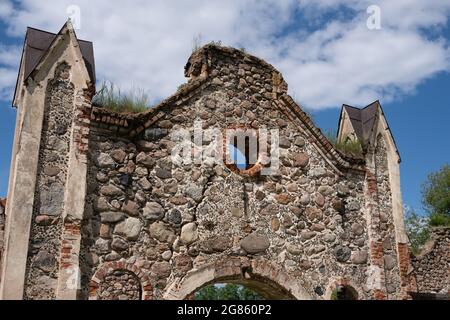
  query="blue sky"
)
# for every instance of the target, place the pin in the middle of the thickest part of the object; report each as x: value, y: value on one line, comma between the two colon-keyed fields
x: 324, y: 49
x: 420, y: 125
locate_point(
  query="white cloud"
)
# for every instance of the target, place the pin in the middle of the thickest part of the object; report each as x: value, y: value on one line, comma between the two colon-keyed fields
x: 6, y: 9
x: 341, y: 61
x: 9, y: 60
x: 10, y: 55
x: 8, y: 78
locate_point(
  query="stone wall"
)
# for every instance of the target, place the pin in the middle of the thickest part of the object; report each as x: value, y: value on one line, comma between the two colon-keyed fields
x: 46, y: 227
x: 386, y: 229
x: 2, y: 228
x: 120, y: 285
x: 431, y: 267
x: 149, y: 228
x: 168, y: 220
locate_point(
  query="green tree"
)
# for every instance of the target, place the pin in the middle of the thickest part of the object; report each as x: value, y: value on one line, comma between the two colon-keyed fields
x: 229, y: 291
x: 436, y: 197
x: 417, y: 228
x: 436, y: 202
x: 247, y: 294
x: 207, y: 293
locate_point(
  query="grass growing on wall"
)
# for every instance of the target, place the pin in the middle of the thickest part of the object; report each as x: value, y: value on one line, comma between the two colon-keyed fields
x: 110, y: 97
x: 347, y: 146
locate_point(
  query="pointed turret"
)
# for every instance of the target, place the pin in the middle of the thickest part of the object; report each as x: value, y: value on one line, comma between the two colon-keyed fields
x: 36, y: 48
x: 53, y: 98
x: 362, y: 124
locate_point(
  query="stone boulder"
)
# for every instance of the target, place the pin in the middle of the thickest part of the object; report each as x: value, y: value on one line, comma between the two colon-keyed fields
x: 215, y: 244
x: 174, y: 216
x: 161, y: 269
x: 189, y: 233
x: 104, y: 160
x: 118, y: 155
x: 153, y: 211
x: 342, y: 253
x: 306, y: 235
x: 45, y: 261
x: 145, y: 160
x: 130, y: 228
x: 284, y: 198
x: 357, y: 229
x: 51, y: 199
x: 102, y: 245
x: 255, y: 243
x: 195, y: 192
x: 359, y: 257
x: 111, y: 216
x: 313, y: 213
x: 131, y: 207
x: 299, y: 142
x: 111, y: 191
x: 300, y: 159
x: 182, y: 263
x: 390, y: 262
x: 293, y: 249
x: 162, y: 232
x: 119, y: 244
x: 163, y: 173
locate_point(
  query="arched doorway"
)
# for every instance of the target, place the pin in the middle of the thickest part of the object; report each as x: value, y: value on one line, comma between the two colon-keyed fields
x: 262, y: 289
x: 342, y: 289
x: 344, y: 293
x: 259, y: 275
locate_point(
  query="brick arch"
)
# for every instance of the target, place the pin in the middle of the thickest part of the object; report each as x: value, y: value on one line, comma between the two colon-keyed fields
x: 260, y: 275
x: 108, y: 267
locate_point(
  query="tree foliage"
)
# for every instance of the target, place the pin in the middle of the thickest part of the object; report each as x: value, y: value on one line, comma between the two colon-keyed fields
x: 228, y: 291
x: 417, y: 228
x: 436, y: 202
x: 207, y: 293
x: 436, y: 197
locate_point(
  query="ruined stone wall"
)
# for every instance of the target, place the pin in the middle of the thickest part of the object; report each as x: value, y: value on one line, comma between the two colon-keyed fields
x: 163, y: 220
x: 149, y: 228
x: 2, y: 229
x: 46, y: 227
x: 432, y: 265
x: 386, y: 228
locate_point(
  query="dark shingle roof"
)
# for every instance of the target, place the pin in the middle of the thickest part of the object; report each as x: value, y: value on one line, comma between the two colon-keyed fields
x: 37, y: 42
x: 3, y: 203
x: 362, y: 119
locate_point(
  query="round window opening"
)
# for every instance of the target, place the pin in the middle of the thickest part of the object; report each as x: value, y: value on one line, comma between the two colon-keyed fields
x: 242, y: 151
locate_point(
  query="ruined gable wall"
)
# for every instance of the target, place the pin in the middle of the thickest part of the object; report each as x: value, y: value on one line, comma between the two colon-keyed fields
x: 431, y: 268
x: 164, y: 220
